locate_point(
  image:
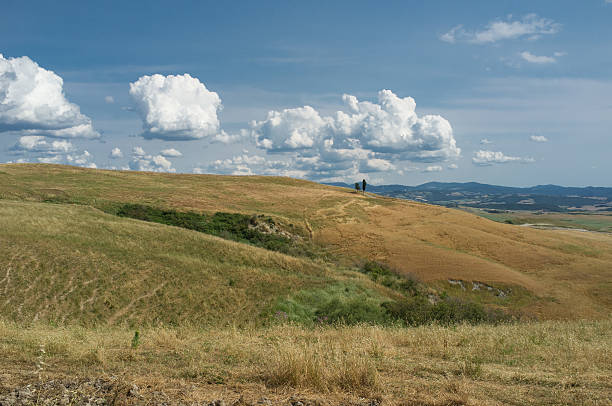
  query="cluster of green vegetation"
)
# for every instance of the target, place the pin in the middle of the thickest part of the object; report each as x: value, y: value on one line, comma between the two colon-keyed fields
x: 230, y: 226
x: 419, y: 310
x: 340, y: 303
x: 350, y: 304
x: 382, y: 274
x: 419, y: 307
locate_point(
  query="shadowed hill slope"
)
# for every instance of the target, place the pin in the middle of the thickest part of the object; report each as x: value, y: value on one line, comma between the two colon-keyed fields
x: 75, y: 264
x: 568, y: 274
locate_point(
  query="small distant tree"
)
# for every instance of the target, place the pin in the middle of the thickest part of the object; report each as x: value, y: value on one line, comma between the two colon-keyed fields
x: 364, y: 183
x: 357, y: 186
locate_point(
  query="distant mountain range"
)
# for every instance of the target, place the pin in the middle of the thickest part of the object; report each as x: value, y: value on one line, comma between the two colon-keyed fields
x: 494, y: 197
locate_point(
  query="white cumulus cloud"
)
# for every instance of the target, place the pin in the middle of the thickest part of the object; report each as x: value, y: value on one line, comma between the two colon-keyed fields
x: 486, y: 158
x: 171, y: 153
x: 32, y: 102
x: 176, y: 107
x: 376, y: 165
x: 138, y: 151
x: 37, y: 144
x: 530, y: 26
x: 141, y: 161
x: 390, y: 126
x: 538, y: 138
x: 366, y: 137
x: 116, y: 153
x: 109, y: 99
x: 35, y: 148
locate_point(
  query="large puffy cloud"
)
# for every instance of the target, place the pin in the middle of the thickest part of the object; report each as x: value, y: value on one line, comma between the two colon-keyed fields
x: 365, y: 138
x: 176, y: 107
x: 32, y: 102
x: 530, y: 25
x: 390, y: 126
x: 487, y: 158
x: 290, y: 129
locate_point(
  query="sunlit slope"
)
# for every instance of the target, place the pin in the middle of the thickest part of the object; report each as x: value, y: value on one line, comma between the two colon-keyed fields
x: 571, y: 272
x: 70, y: 263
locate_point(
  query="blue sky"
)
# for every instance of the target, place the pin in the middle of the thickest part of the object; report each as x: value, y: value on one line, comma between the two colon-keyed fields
x: 506, y: 92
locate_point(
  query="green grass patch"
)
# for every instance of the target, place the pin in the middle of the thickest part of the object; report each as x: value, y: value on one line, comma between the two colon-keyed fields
x: 382, y: 274
x: 340, y: 303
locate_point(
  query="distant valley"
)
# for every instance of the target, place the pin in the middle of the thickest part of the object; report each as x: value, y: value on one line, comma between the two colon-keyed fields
x: 550, y: 198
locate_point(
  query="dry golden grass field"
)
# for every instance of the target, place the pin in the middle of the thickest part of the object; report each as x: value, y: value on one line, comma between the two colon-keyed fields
x: 77, y: 281
x: 544, y: 363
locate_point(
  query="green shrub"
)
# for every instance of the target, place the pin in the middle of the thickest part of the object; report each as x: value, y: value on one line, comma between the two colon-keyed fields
x: 448, y: 311
x: 352, y: 310
x: 341, y: 303
x: 231, y: 226
x: 382, y: 274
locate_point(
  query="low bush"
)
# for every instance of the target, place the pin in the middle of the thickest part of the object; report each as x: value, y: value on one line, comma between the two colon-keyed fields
x: 341, y: 303
x: 384, y: 275
x: 447, y: 311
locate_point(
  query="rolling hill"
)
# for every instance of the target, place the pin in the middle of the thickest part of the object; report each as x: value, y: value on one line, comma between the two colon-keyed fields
x: 61, y: 235
x: 199, y: 304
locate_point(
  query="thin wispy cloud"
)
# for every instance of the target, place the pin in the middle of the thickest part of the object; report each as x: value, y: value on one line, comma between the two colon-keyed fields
x: 433, y: 168
x: 539, y: 59
x: 538, y: 138
x: 530, y: 26
x: 488, y: 158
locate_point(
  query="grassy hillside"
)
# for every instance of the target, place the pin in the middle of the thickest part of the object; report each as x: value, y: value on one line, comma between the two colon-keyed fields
x: 548, y: 274
x: 74, y: 263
